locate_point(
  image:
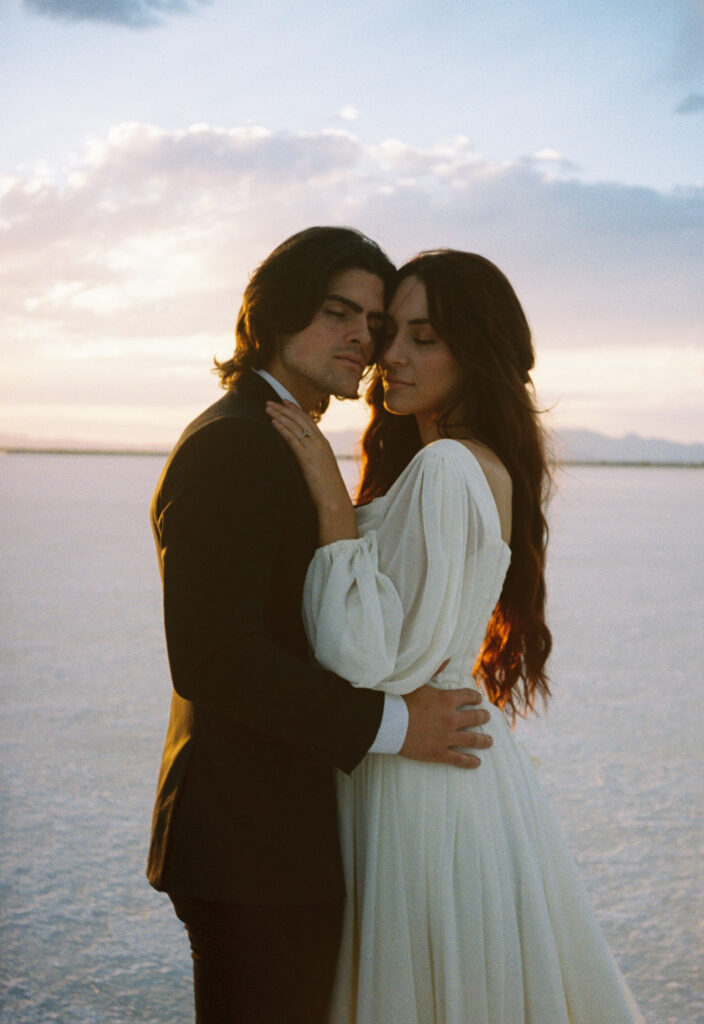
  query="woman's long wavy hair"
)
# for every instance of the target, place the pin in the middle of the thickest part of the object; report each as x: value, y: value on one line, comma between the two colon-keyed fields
x: 474, y: 309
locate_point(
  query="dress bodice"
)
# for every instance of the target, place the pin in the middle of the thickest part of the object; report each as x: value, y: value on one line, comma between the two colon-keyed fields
x: 419, y: 584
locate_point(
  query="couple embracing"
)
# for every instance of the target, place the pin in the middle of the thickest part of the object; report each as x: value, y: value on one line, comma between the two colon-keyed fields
x: 414, y: 884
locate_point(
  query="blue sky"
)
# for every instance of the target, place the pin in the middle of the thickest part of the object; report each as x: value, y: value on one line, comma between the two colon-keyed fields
x: 153, y: 152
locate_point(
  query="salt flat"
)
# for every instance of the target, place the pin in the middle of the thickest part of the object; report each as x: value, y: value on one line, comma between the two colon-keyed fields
x: 84, y: 693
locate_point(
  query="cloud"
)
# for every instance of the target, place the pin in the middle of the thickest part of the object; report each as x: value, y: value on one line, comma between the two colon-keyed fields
x: 691, y: 104
x: 348, y: 113
x: 558, y: 163
x: 133, y: 13
x: 153, y: 231
x: 123, y: 276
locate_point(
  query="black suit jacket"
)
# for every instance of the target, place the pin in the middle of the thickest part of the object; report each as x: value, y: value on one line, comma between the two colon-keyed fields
x: 245, y: 808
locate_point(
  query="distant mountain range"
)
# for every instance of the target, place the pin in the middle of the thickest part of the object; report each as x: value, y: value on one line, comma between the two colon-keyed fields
x: 587, y: 446
x: 569, y: 446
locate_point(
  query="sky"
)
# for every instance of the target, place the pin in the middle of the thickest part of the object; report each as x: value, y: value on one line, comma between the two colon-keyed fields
x: 154, y: 151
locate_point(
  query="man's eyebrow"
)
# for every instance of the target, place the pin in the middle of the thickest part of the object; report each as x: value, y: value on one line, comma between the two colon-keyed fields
x: 354, y: 306
x: 346, y: 302
x: 419, y: 322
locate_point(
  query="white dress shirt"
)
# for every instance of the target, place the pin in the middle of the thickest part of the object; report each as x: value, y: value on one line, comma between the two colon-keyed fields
x: 394, y: 721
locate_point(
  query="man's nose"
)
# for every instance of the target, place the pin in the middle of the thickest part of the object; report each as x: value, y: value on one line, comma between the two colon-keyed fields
x: 361, y: 335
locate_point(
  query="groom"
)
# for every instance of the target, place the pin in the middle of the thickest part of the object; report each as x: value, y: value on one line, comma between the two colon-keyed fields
x: 244, y: 834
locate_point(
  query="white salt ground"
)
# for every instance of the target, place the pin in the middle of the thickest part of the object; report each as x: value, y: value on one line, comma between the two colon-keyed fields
x: 84, y: 694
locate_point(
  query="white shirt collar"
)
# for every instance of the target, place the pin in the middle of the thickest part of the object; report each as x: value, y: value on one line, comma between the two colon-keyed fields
x: 278, y: 388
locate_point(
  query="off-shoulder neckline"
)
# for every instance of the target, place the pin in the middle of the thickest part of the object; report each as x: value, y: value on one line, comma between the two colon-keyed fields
x: 453, y: 444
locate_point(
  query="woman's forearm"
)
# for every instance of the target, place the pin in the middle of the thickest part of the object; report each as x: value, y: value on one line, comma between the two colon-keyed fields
x: 336, y: 519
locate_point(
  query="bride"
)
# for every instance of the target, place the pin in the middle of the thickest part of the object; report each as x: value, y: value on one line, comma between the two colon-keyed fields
x: 463, y: 903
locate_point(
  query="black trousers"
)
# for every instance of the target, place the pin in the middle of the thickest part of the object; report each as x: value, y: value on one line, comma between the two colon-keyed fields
x: 261, y: 965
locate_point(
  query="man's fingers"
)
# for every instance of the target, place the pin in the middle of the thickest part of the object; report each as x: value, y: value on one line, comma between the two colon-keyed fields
x: 439, y: 731
x: 460, y: 760
x: 471, y: 719
x: 473, y: 739
x: 463, y: 697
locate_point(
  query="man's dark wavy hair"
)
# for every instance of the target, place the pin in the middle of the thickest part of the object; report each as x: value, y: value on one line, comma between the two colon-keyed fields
x: 287, y: 290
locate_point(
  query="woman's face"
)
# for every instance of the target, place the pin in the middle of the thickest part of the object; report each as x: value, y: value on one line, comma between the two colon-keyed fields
x: 421, y: 376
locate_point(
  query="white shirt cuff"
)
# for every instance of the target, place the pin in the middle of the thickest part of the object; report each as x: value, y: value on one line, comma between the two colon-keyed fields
x: 393, y: 726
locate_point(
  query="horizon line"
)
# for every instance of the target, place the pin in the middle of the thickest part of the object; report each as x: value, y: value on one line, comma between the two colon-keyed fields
x: 164, y: 453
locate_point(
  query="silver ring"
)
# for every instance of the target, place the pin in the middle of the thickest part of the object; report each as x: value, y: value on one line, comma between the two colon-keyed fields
x: 305, y: 434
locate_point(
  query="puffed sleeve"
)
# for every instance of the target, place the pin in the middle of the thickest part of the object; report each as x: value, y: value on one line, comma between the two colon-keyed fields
x: 348, y: 603
x: 382, y: 611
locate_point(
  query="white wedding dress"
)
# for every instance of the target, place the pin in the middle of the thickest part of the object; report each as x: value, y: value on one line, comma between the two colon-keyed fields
x: 464, y: 905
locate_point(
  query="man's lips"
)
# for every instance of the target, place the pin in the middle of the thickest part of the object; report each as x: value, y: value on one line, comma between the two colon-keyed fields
x: 353, y: 361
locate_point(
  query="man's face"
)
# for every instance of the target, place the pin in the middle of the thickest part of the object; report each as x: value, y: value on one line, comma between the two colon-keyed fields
x: 328, y: 357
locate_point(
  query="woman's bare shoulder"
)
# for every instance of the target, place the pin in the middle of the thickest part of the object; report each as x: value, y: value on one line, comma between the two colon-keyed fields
x: 499, y: 480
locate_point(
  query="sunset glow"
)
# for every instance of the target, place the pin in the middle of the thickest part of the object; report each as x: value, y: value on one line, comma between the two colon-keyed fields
x: 133, y: 207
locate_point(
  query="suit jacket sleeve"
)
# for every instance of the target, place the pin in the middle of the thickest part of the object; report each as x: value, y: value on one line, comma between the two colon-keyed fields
x: 219, y: 521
